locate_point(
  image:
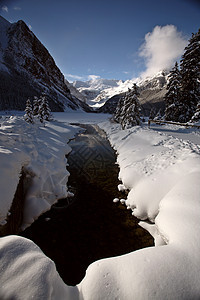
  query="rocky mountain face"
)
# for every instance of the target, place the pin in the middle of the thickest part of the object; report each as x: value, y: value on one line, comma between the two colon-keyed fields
x: 152, y: 91
x: 27, y: 69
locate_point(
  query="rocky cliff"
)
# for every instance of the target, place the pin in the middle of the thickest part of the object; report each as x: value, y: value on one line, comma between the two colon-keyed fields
x: 28, y: 69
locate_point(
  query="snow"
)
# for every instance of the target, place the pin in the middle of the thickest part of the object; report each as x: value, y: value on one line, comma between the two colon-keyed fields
x: 26, y: 273
x: 115, y: 200
x: 40, y: 151
x: 160, y: 170
x: 98, y: 91
x: 162, y: 173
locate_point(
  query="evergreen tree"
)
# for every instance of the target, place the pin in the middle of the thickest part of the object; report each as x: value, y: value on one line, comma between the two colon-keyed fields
x: 196, y: 116
x: 40, y: 109
x: 119, y: 108
x: 28, y: 112
x: 172, y: 97
x: 131, y: 109
x: 128, y: 109
x: 190, y: 78
x: 35, y: 106
x: 46, y: 109
x: 44, y: 113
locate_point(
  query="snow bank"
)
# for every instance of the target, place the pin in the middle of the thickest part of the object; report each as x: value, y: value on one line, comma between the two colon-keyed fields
x: 41, y: 151
x: 163, y: 175
x: 26, y: 273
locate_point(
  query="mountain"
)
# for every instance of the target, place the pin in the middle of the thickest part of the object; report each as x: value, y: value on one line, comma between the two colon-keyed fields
x: 152, y: 91
x: 27, y: 69
x: 103, y: 94
x: 98, y: 91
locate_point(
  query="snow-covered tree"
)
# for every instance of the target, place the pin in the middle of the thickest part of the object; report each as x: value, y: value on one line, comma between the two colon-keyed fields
x: 28, y: 112
x: 46, y: 109
x: 44, y: 112
x: 40, y: 110
x: 196, y: 116
x: 35, y: 106
x: 173, y: 95
x: 118, y: 112
x: 190, y: 78
x: 128, y: 111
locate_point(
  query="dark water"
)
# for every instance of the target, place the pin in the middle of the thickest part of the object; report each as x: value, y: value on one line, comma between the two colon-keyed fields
x: 80, y: 230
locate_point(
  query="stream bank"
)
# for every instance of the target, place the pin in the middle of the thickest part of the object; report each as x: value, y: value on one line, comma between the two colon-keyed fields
x: 80, y: 230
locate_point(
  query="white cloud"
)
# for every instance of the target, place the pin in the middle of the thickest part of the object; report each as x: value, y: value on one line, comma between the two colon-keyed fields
x: 5, y: 8
x: 73, y: 77
x: 162, y: 47
x: 17, y: 8
x: 93, y: 77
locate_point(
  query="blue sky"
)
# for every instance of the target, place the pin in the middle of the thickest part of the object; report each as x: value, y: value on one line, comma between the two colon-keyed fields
x: 119, y: 39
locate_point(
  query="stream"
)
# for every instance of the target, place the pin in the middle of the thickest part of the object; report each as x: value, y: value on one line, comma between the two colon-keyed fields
x: 89, y: 226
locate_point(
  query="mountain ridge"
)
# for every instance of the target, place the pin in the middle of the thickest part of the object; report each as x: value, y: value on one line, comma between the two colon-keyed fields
x: 105, y: 97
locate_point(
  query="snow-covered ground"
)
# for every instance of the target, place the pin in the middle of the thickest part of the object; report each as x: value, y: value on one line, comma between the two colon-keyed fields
x: 161, y: 169
x: 41, y: 152
x: 162, y: 173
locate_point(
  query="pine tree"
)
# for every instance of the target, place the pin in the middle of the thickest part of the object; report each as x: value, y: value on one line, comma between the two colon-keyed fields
x: 28, y: 112
x: 131, y: 109
x: 196, y: 116
x: 190, y: 78
x: 35, y: 106
x: 44, y: 113
x: 118, y: 112
x: 128, y: 109
x: 40, y: 109
x: 172, y: 97
x: 46, y: 109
